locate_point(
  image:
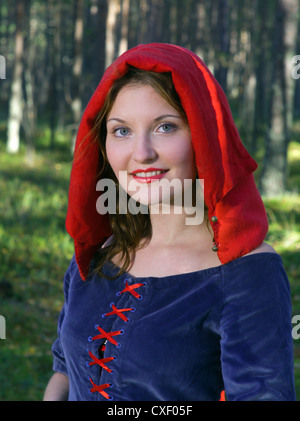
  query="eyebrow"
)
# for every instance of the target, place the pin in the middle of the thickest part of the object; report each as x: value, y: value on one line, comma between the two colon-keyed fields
x: 161, y: 117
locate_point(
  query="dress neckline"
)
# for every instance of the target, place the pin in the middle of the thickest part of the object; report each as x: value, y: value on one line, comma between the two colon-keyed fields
x: 113, y: 267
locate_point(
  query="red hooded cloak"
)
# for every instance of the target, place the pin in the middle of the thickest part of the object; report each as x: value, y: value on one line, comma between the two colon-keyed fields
x: 235, y: 208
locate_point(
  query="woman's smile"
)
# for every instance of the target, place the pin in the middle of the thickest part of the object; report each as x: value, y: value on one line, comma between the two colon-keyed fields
x: 148, y: 175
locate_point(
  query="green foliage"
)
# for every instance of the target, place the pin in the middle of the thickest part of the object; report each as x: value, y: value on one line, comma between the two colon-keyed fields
x: 35, y: 251
x: 284, y: 235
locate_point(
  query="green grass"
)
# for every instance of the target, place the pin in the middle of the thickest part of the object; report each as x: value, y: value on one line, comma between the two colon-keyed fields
x: 35, y: 251
x: 284, y: 235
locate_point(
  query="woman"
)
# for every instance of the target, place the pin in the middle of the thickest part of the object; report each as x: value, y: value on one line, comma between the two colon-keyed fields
x: 160, y: 305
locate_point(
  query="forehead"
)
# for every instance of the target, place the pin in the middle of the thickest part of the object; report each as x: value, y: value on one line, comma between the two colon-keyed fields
x: 140, y: 98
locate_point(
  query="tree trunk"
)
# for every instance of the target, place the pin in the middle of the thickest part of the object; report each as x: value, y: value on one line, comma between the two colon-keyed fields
x: 95, y: 60
x: 273, y: 178
x: 260, y: 67
x: 154, y: 18
x: 55, y: 85
x: 15, y: 103
x: 123, y: 45
x: 196, y: 24
x: 223, y: 43
x: 295, y: 101
x: 292, y: 8
x: 113, y: 10
x: 29, y: 113
x: 76, y: 104
x: 165, y: 30
x: 296, y: 107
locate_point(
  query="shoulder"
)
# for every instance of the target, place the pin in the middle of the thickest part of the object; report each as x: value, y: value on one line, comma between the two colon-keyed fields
x: 261, y: 263
x: 263, y: 248
x: 73, y: 267
x: 72, y: 274
x: 258, y: 277
x: 260, y: 270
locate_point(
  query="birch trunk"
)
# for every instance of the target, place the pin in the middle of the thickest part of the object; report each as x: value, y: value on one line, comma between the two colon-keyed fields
x: 15, y: 104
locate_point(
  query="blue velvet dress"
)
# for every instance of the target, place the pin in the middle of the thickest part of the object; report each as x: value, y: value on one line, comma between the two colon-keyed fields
x: 179, y: 338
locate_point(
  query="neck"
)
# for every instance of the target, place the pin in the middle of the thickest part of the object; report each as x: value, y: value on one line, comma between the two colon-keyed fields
x: 174, y: 228
x: 180, y: 219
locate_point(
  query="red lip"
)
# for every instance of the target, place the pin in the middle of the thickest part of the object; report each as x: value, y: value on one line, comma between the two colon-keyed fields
x: 148, y: 170
x: 150, y: 178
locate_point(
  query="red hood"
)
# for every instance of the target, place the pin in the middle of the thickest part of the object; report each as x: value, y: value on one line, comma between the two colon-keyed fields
x: 222, y: 161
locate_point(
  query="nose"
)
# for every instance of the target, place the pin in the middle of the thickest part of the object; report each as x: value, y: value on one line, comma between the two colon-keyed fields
x: 144, y: 151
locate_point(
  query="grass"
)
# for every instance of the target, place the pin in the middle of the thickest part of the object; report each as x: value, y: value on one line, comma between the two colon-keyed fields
x: 284, y: 235
x: 35, y: 251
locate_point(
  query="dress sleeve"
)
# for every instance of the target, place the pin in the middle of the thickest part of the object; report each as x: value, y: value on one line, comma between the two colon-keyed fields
x: 256, y: 330
x: 59, y: 363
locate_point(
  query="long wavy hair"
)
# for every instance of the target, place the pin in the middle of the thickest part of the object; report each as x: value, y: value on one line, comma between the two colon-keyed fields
x: 130, y: 232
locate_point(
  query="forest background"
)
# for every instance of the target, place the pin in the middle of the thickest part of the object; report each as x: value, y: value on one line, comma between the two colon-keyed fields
x: 52, y: 56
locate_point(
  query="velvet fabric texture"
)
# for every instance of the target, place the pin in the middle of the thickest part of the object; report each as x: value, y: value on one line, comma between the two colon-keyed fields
x: 240, y: 221
x: 179, y: 338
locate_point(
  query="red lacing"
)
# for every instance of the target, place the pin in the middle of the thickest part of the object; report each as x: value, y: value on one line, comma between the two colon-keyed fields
x: 108, y: 336
x: 100, y: 389
x: 119, y: 312
x: 131, y: 289
x: 101, y: 361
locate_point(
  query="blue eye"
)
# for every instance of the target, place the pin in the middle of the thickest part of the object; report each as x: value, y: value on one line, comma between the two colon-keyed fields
x: 166, y: 128
x: 121, y: 132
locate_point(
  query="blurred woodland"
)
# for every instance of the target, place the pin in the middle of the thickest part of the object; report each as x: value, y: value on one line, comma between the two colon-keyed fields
x: 52, y: 56
x: 56, y: 53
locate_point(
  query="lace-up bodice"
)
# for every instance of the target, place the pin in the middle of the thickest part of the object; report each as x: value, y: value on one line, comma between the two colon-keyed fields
x: 179, y: 338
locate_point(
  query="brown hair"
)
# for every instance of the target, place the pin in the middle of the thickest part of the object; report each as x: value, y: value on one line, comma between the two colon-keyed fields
x: 130, y: 232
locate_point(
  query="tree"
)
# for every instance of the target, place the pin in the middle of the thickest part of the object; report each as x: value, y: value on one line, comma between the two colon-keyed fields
x: 76, y: 104
x: 15, y: 104
x: 223, y: 43
x: 113, y: 10
x: 29, y: 111
x: 296, y: 99
x: 273, y: 178
x: 261, y: 47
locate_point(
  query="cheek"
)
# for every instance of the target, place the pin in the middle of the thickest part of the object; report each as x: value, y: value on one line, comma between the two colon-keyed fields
x: 185, y: 159
x: 115, y: 157
x: 118, y: 159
